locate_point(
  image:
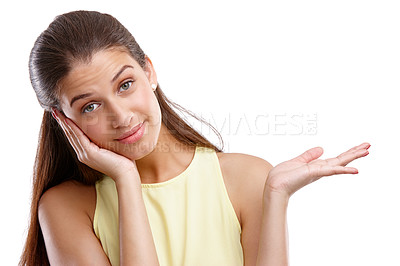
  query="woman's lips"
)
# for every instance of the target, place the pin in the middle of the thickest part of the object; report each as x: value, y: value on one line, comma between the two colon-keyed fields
x: 132, y: 135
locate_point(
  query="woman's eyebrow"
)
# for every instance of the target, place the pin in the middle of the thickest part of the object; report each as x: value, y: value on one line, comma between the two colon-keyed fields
x: 78, y: 97
x: 120, y: 72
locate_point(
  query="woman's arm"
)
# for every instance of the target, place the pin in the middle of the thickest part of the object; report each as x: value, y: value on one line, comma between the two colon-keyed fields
x: 65, y: 217
x: 136, y: 240
x: 273, y: 248
x: 284, y: 180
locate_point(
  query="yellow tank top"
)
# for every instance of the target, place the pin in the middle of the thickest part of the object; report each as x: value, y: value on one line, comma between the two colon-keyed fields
x: 191, y: 217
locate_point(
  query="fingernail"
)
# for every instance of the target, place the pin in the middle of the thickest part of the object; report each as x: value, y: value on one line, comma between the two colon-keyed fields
x: 66, y: 122
x: 54, y: 114
x: 353, y: 170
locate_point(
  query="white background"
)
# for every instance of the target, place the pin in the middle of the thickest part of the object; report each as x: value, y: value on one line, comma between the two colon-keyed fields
x: 275, y: 77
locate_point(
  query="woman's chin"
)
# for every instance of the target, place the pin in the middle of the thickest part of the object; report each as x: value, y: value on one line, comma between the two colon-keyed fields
x: 136, y: 151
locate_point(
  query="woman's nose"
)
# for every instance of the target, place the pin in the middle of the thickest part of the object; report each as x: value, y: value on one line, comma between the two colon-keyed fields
x: 120, y: 117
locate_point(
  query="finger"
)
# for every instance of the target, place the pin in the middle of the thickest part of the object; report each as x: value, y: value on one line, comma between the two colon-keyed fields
x: 79, y: 137
x: 364, y: 145
x: 350, y: 155
x: 71, y: 139
x: 87, y: 146
x: 74, y: 128
x: 75, y: 139
x: 69, y: 133
x: 318, y: 171
x: 309, y: 155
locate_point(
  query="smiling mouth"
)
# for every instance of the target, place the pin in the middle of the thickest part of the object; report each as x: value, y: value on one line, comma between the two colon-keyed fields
x: 132, y: 135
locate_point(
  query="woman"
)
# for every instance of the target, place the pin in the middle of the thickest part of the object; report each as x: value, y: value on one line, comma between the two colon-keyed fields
x: 120, y: 178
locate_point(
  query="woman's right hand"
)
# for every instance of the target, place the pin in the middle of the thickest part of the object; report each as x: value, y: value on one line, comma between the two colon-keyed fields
x: 102, y: 160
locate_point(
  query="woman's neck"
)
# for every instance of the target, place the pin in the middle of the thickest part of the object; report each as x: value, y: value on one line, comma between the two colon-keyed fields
x: 168, y: 159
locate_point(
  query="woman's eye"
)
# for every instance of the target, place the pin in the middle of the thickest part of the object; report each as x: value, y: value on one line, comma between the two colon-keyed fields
x: 126, y: 85
x: 89, y: 108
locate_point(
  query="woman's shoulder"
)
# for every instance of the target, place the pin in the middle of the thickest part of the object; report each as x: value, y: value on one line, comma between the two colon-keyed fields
x: 66, y: 221
x: 244, y: 176
x: 243, y: 166
x: 68, y: 198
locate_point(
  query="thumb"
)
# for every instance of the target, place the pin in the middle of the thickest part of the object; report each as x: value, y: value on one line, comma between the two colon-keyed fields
x: 309, y: 155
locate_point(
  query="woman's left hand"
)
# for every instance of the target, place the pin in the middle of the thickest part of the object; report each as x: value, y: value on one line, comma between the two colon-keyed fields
x: 288, y: 177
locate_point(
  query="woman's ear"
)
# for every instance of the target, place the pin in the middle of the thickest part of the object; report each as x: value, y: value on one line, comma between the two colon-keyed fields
x: 150, y: 71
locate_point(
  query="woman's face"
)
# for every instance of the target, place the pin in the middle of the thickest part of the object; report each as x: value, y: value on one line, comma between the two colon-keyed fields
x: 110, y: 96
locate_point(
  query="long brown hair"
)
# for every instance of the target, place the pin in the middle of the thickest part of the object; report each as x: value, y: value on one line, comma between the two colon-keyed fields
x: 70, y: 37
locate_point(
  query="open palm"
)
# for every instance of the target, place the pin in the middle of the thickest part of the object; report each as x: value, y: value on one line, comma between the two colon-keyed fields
x: 100, y: 159
x: 290, y: 176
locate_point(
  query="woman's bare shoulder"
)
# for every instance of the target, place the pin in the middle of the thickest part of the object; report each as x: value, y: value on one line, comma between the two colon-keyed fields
x: 244, y: 176
x: 243, y: 166
x: 66, y: 219
x: 69, y: 197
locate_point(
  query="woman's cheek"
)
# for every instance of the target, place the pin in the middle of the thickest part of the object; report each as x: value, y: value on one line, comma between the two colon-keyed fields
x: 98, y: 134
x: 151, y: 107
x: 89, y: 123
x: 157, y: 113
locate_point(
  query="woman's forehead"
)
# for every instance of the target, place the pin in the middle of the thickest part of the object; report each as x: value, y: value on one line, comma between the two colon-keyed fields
x: 103, y: 64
